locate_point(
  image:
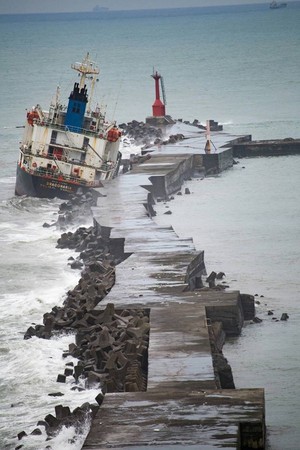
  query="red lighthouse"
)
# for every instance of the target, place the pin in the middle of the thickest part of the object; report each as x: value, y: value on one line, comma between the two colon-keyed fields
x: 159, y: 117
x: 158, y: 107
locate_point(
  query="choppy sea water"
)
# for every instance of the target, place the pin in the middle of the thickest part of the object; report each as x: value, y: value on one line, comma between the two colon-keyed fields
x: 247, y: 222
x: 34, y: 278
x: 237, y: 66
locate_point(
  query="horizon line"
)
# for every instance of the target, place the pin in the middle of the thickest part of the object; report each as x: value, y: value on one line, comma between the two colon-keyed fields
x: 108, y: 10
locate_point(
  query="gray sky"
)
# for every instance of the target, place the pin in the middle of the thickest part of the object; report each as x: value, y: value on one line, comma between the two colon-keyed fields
x: 40, y: 6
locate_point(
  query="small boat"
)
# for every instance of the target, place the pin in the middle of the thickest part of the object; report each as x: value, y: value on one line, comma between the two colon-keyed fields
x: 68, y: 147
x: 277, y: 5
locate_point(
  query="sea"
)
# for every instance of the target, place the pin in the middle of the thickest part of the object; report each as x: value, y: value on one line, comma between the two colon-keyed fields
x: 238, y: 65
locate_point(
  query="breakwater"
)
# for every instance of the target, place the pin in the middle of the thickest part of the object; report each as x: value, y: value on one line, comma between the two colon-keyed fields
x: 151, y: 325
x: 190, y: 400
x: 245, y: 147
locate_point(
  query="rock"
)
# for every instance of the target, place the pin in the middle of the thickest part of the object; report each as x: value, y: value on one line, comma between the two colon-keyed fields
x: 29, y: 333
x: 284, y: 316
x: 78, y: 370
x: 223, y: 286
x: 142, y: 134
x: 62, y: 411
x: 68, y: 372
x: 56, y: 394
x: 42, y: 423
x: 220, y: 275
x: 187, y: 191
x: 211, y: 279
x: 257, y: 320
x: 94, y: 379
x: 94, y: 409
x: 21, y: 435
x: 61, y: 378
x: 99, y: 399
x: 97, y: 267
x: 76, y: 264
x: 51, y: 421
x: 77, y: 388
x: 36, y: 432
x: 270, y: 313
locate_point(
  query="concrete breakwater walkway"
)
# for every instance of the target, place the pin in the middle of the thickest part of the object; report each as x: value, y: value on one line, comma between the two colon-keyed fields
x: 189, y: 400
x: 277, y: 147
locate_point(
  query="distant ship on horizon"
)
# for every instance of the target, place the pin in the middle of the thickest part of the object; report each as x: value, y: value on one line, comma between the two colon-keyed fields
x: 100, y: 8
x: 277, y: 5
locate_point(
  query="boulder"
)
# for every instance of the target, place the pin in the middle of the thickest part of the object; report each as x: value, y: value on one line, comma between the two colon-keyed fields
x: 211, y: 279
x: 21, y: 435
x: 55, y: 394
x: 36, y: 432
x: 51, y: 421
x: 220, y: 275
x: 257, y: 320
x: 61, y: 378
x: 99, y: 399
x: 62, y: 411
x: 284, y: 316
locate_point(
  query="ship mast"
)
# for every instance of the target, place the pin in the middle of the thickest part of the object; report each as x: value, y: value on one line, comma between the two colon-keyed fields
x: 87, y: 69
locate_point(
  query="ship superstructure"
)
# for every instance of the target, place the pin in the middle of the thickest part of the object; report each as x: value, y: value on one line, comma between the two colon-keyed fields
x: 69, y: 146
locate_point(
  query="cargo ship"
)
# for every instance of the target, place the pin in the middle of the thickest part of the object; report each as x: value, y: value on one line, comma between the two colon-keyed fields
x: 277, y: 5
x: 68, y: 149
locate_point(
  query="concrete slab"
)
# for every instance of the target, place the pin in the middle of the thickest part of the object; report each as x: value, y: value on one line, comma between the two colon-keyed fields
x: 183, y: 420
x: 179, y: 352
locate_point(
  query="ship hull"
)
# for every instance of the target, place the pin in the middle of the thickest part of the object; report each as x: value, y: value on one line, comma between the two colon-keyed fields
x: 42, y: 187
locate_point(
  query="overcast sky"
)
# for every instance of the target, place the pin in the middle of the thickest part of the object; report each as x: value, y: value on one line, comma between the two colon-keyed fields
x: 39, y: 6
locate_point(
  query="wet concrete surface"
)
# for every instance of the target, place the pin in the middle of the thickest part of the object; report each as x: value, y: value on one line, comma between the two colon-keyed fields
x: 182, y: 407
x: 184, y: 420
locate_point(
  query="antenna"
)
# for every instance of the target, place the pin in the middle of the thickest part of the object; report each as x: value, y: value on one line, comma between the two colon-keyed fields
x: 86, y: 67
x: 117, y: 99
x: 163, y: 90
x: 207, y: 147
